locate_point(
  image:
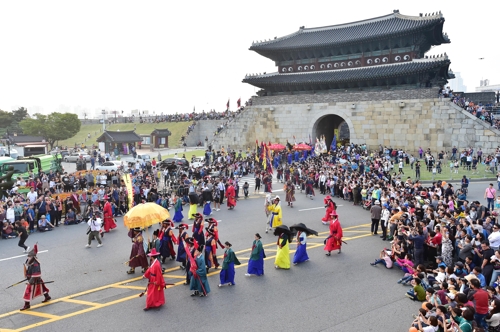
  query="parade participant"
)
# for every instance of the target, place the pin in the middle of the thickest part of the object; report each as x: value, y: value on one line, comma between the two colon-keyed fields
x: 198, y: 229
x: 334, y: 240
x: 199, y: 281
x: 268, y: 183
x: 290, y: 193
x: 331, y: 207
x: 178, y: 216
x: 212, y: 227
x: 275, y: 215
x: 193, y: 205
x: 227, y: 272
x: 181, y: 250
x: 211, y: 251
x: 167, y: 240
x: 309, y: 187
x: 301, y: 252
x: 190, y: 249
x: 207, y: 210
x: 282, y: 260
x: 256, y: 261
x: 231, y: 196
x: 155, y: 297
x: 35, y: 286
x: 109, y: 221
x: 137, y: 254
x: 155, y: 242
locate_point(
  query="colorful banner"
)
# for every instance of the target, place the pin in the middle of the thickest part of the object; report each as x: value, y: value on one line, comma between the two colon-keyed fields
x: 130, y: 191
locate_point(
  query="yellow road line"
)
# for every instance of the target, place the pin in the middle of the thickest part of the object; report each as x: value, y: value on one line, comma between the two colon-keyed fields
x: 128, y: 287
x: 174, y: 276
x: 121, y: 284
x: 39, y: 314
x: 92, y: 304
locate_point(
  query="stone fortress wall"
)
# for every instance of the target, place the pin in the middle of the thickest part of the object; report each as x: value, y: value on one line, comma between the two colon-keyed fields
x: 404, y: 119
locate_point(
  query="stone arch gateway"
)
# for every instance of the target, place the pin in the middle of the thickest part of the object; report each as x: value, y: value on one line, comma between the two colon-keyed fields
x: 328, y: 125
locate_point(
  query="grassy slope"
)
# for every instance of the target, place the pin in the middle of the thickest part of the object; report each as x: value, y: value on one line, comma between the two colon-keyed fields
x: 176, y: 128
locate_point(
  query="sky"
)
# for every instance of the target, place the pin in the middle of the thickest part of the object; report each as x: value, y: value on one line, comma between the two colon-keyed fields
x: 173, y: 56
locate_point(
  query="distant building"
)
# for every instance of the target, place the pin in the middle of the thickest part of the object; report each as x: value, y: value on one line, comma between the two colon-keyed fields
x: 484, y: 86
x: 457, y: 83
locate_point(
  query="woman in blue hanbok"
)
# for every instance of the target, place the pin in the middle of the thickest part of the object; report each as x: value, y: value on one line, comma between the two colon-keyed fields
x: 256, y: 261
x: 178, y: 216
x: 181, y: 250
x: 301, y: 252
x: 227, y: 273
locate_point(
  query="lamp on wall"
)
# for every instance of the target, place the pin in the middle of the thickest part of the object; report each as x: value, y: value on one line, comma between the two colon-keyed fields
x: 402, y: 104
x: 308, y: 107
x: 353, y: 106
x: 271, y: 109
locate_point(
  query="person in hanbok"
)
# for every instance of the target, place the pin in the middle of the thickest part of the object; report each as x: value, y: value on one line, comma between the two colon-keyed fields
x: 282, y: 260
x: 193, y: 205
x: 331, y: 207
x: 137, y: 254
x: 35, y: 286
x: 227, y: 272
x: 199, y: 281
x: 178, y: 216
x: 334, y: 239
x: 190, y: 249
x: 231, y: 196
x: 301, y: 252
x: 256, y: 261
x: 310, y: 187
x: 290, y: 193
x: 167, y: 240
x: 155, y: 296
x: 275, y: 214
x: 212, y: 227
x: 198, y: 225
x: 181, y: 250
x: 211, y: 251
x: 109, y: 221
x: 207, y: 210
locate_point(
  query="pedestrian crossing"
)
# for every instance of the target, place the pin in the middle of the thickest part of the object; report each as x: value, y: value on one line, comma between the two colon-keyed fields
x: 277, y: 186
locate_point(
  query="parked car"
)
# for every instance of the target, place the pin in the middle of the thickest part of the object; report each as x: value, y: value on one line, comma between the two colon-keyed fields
x: 112, y: 166
x: 62, y: 153
x: 73, y: 157
x: 166, y: 163
x: 198, y: 162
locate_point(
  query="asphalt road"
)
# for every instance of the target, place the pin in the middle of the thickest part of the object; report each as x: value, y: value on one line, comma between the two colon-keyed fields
x: 337, y: 293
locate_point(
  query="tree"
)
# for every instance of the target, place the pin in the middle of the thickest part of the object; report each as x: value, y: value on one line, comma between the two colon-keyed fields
x: 5, y: 119
x: 20, y: 114
x: 53, y: 127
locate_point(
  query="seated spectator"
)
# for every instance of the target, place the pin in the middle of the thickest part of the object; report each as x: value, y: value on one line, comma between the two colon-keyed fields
x: 70, y: 218
x: 8, y: 231
x: 385, y: 259
x: 44, y: 225
x: 476, y: 274
x: 418, y: 292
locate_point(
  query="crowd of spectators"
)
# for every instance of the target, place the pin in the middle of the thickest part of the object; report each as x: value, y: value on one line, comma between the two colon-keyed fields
x: 483, y: 112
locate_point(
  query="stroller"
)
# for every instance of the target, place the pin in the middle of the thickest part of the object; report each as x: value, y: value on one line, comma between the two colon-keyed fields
x: 367, y: 204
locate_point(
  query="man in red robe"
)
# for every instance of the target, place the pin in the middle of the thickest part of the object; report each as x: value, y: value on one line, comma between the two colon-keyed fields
x: 155, y: 297
x: 231, y: 196
x: 330, y: 208
x: 334, y: 240
x: 109, y: 222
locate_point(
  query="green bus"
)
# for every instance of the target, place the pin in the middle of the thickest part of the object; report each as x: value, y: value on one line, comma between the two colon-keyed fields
x: 36, y: 164
x: 4, y: 160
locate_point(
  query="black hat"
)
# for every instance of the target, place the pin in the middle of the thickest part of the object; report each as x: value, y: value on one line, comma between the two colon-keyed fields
x: 189, y: 240
x: 137, y: 229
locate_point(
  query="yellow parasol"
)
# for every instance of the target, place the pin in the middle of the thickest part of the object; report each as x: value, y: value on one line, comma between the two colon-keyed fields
x: 145, y: 215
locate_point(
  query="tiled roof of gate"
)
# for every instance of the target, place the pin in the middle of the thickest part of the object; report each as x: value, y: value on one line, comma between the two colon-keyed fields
x: 348, y: 75
x: 374, y: 28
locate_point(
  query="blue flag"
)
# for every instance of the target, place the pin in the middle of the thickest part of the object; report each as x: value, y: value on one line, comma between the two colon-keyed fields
x: 333, y: 146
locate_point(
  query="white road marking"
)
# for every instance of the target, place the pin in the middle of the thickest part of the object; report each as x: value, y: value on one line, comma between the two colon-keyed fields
x: 316, y: 208
x: 6, y: 259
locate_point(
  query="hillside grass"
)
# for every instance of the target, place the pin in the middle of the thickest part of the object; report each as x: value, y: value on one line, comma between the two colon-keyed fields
x: 177, y: 129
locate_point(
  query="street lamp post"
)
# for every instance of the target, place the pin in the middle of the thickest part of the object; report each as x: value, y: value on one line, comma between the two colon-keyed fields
x: 103, y: 120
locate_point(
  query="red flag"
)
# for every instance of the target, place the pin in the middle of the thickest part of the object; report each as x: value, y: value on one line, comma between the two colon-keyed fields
x: 239, y: 102
x: 227, y: 105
